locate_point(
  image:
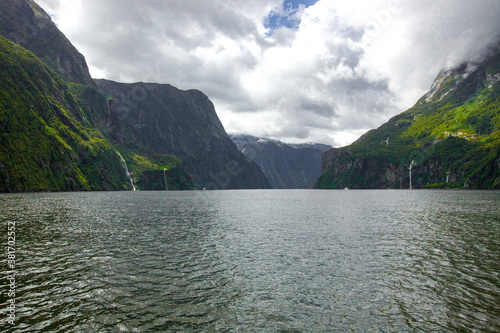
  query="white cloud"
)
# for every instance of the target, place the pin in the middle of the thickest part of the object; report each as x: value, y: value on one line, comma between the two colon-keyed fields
x: 347, y: 67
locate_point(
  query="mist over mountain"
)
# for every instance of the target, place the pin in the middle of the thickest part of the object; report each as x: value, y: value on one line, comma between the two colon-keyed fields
x: 450, y: 138
x: 337, y: 70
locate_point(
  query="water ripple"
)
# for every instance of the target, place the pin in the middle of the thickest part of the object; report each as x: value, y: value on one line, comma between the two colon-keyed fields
x: 252, y: 261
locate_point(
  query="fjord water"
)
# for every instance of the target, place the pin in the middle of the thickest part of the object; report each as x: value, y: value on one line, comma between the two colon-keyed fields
x: 255, y: 261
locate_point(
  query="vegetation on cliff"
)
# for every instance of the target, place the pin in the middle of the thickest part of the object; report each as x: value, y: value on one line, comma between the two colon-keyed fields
x: 153, y: 172
x: 451, y: 138
x: 47, y: 139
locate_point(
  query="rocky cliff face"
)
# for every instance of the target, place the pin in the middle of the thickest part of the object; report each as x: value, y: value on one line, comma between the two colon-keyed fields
x: 28, y: 25
x: 371, y: 173
x: 286, y: 166
x: 450, y: 138
x: 167, y: 120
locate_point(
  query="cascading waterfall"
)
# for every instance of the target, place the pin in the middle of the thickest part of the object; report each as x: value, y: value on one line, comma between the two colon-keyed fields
x: 165, y: 177
x: 411, y: 165
x: 126, y: 171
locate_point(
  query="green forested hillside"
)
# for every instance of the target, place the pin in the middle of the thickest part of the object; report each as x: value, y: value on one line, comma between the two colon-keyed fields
x: 47, y: 141
x: 59, y: 131
x: 44, y: 143
x: 451, y: 138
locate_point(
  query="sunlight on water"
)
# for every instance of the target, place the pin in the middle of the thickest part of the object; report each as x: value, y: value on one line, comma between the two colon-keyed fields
x: 263, y: 261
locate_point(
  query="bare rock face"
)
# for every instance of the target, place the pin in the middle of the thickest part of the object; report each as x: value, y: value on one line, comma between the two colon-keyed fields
x: 167, y: 120
x: 329, y: 157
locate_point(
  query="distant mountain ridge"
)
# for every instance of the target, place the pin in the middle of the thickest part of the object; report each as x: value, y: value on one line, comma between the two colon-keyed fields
x: 287, y: 166
x: 450, y: 138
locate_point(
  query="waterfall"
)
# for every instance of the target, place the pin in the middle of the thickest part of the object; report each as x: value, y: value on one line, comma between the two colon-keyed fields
x: 165, y: 177
x: 126, y: 171
x: 411, y: 165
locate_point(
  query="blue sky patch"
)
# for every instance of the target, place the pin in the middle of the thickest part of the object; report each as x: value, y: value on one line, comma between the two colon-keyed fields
x: 286, y: 16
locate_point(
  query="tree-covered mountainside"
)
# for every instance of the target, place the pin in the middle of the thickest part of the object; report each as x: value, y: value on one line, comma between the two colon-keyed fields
x: 47, y: 142
x: 450, y: 138
x: 59, y: 132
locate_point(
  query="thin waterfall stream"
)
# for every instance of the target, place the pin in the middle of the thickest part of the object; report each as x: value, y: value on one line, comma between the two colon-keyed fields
x: 126, y: 171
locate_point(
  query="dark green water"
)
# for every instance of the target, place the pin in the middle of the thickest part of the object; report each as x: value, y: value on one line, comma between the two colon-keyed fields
x: 254, y: 261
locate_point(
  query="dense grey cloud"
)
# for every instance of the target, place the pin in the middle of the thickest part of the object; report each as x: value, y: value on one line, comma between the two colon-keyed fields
x: 342, y: 68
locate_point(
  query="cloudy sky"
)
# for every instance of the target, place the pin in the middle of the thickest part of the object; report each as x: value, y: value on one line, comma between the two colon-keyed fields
x: 299, y: 71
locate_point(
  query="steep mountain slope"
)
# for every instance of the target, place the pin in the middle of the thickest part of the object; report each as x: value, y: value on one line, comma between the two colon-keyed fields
x: 450, y: 138
x: 48, y: 139
x: 167, y: 120
x: 72, y: 96
x: 285, y: 165
x: 45, y: 141
x: 48, y: 144
x: 26, y: 24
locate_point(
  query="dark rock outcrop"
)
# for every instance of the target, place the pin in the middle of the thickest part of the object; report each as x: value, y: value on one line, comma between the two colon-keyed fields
x: 167, y: 120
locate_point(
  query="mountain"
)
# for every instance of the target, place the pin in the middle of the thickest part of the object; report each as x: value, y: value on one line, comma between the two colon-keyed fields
x: 449, y: 138
x: 47, y: 142
x: 28, y: 25
x: 285, y: 165
x: 59, y: 132
x: 167, y: 120
x: 49, y: 111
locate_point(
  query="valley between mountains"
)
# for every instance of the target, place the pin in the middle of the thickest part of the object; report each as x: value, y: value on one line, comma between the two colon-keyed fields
x: 62, y: 130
